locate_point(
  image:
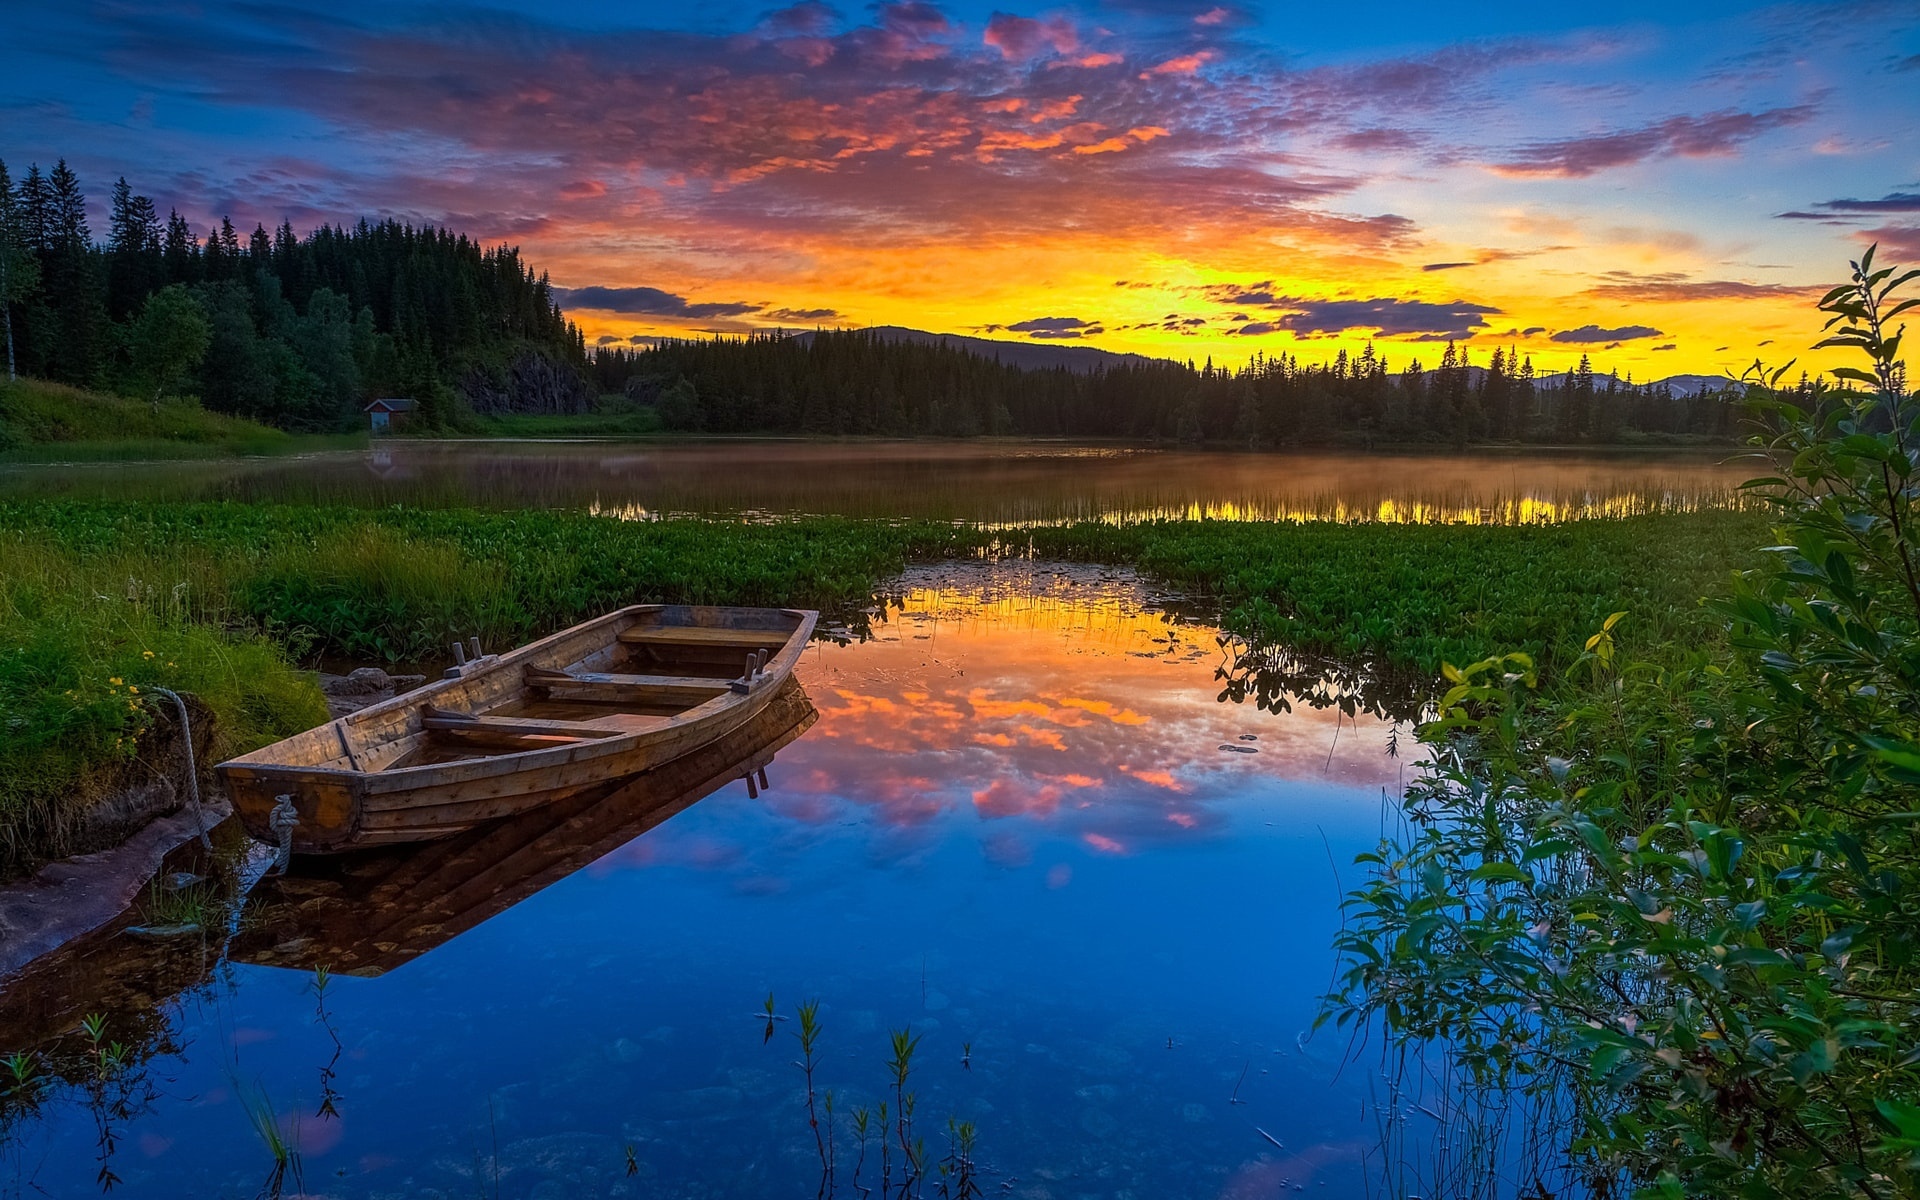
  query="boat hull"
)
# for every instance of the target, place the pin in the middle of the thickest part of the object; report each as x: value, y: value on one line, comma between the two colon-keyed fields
x: 352, y: 783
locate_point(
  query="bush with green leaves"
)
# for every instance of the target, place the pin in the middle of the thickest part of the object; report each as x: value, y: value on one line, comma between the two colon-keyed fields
x: 1679, y: 901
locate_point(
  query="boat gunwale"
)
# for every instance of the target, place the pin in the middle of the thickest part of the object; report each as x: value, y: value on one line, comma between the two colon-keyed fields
x: 511, y: 762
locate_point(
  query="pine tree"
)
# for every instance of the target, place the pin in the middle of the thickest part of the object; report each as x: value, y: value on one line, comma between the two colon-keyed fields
x: 181, y: 252
x: 36, y: 210
x: 133, y: 249
x: 72, y: 352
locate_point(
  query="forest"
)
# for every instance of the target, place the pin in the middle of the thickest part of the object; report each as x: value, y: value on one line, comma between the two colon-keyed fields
x: 296, y: 332
x: 851, y: 382
x: 299, y: 332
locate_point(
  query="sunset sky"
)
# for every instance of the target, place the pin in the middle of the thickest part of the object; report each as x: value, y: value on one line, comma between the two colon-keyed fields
x: 1667, y: 192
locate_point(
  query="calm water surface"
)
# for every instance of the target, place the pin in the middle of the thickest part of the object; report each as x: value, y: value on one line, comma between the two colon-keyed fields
x: 974, y: 482
x: 1024, y: 822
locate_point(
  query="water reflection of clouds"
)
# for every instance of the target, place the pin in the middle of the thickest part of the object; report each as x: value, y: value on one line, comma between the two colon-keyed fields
x: 1061, y: 709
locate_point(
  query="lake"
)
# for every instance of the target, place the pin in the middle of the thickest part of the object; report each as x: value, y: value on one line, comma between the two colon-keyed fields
x: 1030, y: 825
x: 1015, y: 483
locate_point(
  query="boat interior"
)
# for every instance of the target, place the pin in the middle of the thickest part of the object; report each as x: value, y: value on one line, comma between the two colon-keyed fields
x: 630, y: 672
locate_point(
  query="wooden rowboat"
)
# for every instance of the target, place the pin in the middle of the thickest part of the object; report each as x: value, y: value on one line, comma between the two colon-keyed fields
x: 370, y: 912
x: 507, y: 733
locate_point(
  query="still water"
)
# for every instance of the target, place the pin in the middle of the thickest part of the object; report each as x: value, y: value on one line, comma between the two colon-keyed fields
x: 998, y: 482
x: 1025, y: 825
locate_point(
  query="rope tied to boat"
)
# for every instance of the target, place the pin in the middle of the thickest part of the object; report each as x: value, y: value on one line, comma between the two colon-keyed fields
x: 281, y: 821
x: 193, y: 773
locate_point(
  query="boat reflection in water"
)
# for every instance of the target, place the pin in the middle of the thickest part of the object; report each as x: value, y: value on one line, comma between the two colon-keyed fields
x: 370, y: 912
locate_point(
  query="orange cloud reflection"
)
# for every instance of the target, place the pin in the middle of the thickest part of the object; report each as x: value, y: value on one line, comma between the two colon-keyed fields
x: 1058, y: 698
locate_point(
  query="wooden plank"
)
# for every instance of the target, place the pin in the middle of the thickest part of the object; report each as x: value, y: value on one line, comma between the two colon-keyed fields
x: 507, y: 740
x: 603, y: 685
x: 524, y: 726
x: 695, y: 635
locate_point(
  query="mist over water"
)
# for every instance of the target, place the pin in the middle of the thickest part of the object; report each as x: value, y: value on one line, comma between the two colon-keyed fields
x: 1009, y: 483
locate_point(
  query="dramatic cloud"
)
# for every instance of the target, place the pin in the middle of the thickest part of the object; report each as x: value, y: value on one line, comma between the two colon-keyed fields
x: 1687, y: 137
x: 645, y: 300
x: 1594, y: 334
x: 883, y: 163
x: 1382, y: 316
x: 1054, y: 327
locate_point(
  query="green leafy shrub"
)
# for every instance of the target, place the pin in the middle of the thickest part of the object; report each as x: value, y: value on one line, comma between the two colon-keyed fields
x: 1681, y: 898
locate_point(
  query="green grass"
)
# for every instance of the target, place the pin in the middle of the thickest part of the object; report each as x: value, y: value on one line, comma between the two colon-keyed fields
x: 52, y: 422
x: 222, y: 599
x: 83, y: 640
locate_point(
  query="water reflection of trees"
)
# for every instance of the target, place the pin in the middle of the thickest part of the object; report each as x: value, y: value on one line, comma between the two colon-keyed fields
x: 1277, y: 677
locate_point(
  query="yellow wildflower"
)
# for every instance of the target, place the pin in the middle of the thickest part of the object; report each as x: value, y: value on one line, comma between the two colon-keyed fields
x: 115, y: 681
x: 146, y: 654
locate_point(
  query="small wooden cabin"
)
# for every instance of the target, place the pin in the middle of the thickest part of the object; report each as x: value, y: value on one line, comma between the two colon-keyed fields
x: 387, y: 415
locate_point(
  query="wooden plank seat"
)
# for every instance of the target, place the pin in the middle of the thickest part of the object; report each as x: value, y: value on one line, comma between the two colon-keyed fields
x: 615, y: 686
x: 705, y: 635
x: 441, y: 720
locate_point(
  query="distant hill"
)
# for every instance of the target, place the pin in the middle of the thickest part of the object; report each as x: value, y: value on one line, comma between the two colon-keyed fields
x: 1028, y: 356
x: 1679, y: 385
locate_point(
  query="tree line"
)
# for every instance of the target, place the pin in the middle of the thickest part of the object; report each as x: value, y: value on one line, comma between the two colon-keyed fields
x: 297, y: 332
x: 859, y: 383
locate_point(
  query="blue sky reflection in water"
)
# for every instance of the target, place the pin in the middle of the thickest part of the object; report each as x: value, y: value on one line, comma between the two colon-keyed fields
x: 1016, y: 824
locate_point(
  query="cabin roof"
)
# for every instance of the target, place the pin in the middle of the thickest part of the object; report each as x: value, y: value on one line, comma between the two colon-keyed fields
x: 391, y: 405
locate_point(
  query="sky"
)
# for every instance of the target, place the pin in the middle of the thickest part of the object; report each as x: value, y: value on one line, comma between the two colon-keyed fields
x: 1666, y: 187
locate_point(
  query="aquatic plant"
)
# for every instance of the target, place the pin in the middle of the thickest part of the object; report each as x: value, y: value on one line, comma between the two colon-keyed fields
x: 107, y: 1101
x: 862, y: 1123
x: 281, y: 1146
x: 1676, y: 903
x: 959, y: 1175
x: 912, y: 1150
x: 329, y: 1096
x: 23, y: 1073
x: 809, y: 1037
x: 890, y: 1125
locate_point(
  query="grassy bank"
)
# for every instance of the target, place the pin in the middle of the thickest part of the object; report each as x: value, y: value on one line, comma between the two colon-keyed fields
x: 51, y: 422
x: 224, y: 600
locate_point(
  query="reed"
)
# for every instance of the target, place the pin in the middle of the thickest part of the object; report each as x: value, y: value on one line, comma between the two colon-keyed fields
x: 281, y: 1147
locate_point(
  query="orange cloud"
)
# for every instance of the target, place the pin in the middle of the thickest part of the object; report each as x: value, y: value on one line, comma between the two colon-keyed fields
x: 1185, y: 64
x: 1103, y: 708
